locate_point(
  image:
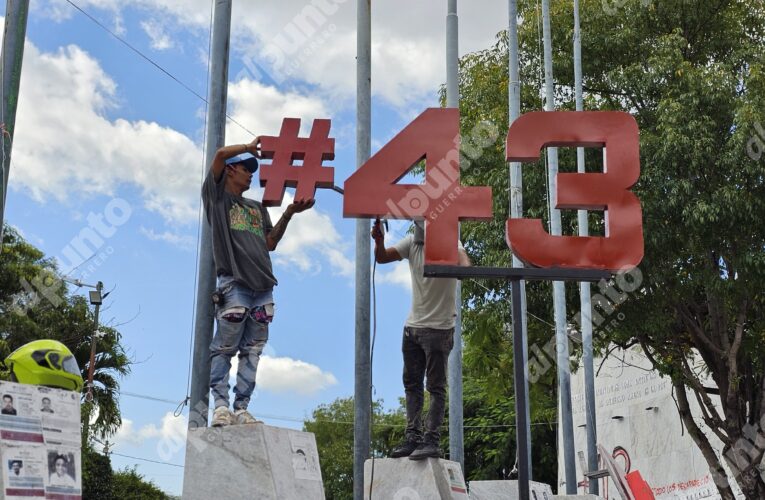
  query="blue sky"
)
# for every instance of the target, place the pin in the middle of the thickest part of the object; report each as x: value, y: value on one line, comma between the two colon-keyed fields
x: 100, y: 131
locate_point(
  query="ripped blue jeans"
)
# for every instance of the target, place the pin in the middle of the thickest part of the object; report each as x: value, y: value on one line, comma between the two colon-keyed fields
x: 242, y: 329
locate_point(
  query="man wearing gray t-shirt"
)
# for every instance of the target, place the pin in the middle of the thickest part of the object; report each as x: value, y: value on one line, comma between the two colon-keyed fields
x: 428, y: 340
x: 242, y: 237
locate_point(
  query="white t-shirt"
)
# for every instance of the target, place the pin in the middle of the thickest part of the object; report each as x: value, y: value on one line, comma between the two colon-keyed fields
x: 433, y: 299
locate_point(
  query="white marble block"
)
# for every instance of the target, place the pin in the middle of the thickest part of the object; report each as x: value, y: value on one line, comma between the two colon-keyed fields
x: 251, y: 462
x: 404, y: 479
x: 508, y: 490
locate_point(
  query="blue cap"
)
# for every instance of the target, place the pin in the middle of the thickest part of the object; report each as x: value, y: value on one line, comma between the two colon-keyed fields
x: 246, y: 159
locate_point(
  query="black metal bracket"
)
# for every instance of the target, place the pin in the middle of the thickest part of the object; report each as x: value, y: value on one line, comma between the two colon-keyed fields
x: 517, y: 273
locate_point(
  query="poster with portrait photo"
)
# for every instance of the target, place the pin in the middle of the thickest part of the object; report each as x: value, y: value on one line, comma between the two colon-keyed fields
x: 19, y: 422
x: 23, y: 472
x: 305, y: 456
x: 60, y: 413
x: 64, y: 473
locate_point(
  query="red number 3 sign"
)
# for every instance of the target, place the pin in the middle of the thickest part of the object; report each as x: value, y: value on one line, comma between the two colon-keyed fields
x: 442, y: 201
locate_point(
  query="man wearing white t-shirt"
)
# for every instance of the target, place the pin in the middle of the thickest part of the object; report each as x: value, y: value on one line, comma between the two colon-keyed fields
x: 428, y: 340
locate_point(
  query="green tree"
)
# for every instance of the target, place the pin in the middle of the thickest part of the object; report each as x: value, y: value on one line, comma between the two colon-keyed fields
x: 332, y: 425
x: 128, y: 484
x: 691, y: 73
x: 35, y: 304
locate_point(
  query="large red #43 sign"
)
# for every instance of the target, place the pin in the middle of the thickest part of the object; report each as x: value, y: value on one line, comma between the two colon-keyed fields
x: 442, y: 201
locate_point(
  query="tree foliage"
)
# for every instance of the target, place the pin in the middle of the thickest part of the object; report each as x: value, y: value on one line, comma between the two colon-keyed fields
x: 691, y: 73
x: 35, y: 304
x: 332, y: 425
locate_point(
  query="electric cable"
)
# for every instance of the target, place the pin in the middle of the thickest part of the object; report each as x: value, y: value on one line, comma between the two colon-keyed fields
x: 151, y: 61
x: 371, y: 371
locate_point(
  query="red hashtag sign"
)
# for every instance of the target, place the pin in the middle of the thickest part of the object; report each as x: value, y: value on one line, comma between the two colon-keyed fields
x: 284, y: 150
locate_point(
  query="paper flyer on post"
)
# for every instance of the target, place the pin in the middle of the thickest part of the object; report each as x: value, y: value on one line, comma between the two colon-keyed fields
x: 24, y: 471
x: 63, y: 480
x: 60, y: 413
x: 19, y: 422
x: 305, y: 463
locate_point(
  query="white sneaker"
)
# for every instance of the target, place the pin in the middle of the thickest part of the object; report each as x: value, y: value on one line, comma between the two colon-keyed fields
x: 222, y: 416
x: 244, y: 417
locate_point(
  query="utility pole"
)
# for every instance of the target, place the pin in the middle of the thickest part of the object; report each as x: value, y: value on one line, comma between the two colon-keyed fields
x: 16, y: 13
x: 362, y: 429
x: 516, y: 211
x: 96, y: 299
x: 559, y: 290
x: 584, y: 287
x: 456, y: 418
x: 216, y: 135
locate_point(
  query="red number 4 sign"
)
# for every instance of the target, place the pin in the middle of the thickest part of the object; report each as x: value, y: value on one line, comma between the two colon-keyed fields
x: 442, y: 201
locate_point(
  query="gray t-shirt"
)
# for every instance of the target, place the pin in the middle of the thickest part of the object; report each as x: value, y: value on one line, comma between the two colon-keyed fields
x: 239, y: 229
x: 433, y: 299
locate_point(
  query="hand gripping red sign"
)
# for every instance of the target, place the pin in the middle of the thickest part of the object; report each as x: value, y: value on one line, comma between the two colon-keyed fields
x: 617, y: 132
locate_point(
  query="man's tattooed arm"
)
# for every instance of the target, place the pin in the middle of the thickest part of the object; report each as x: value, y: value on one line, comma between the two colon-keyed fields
x: 277, y: 232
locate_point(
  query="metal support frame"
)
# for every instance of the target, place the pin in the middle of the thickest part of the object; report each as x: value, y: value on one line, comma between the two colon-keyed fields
x: 517, y: 276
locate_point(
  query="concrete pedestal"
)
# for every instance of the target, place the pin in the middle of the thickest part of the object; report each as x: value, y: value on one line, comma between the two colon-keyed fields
x: 507, y: 490
x: 404, y: 479
x: 251, y: 462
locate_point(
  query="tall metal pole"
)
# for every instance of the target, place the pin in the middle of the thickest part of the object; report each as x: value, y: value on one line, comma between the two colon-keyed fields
x: 216, y: 135
x: 16, y: 13
x: 559, y: 290
x: 584, y: 287
x: 456, y: 417
x: 520, y: 370
x: 362, y: 429
x: 516, y: 210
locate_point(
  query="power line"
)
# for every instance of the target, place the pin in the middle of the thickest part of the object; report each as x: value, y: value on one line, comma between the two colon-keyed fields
x: 151, y: 61
x: 146, y: 460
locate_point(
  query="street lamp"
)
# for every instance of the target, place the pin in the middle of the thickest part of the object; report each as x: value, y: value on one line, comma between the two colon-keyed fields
x: 96, y: 299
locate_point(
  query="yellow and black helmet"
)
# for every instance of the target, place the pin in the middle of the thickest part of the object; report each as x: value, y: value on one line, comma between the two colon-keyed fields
x: 45, y: 362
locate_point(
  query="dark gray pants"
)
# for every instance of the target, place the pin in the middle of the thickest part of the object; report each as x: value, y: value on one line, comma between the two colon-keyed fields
x: 426, y: 354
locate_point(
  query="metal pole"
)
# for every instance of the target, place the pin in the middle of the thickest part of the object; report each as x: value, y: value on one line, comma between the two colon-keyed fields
x: 521, y: 396
x: 93, y: 340
x: 216, y: 134
x: 559, y: 290
x: 362, y: 429
x: 516, y: 201
x: 584, y: 287
x: 16, y: 13
x: 456, y: 417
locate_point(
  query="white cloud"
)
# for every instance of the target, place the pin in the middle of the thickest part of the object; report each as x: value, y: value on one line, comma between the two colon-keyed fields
x: 171, y: 428
x: 315, y: 42
x: 155, y: 30
x: 261, y: 108
x: 287, y: 375
x: 70, y: 142
x: 183, y: 241
x: 399, y: 275
x: 310, y: 235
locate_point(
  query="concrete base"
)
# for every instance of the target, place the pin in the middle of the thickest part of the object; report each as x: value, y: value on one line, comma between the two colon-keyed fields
x: 251, y: 462
x: 404, y: 479
x: 507, y: 490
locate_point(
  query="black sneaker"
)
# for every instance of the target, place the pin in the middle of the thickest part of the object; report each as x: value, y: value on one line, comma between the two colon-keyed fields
x: 426, y: 450
x: 404, y: 449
